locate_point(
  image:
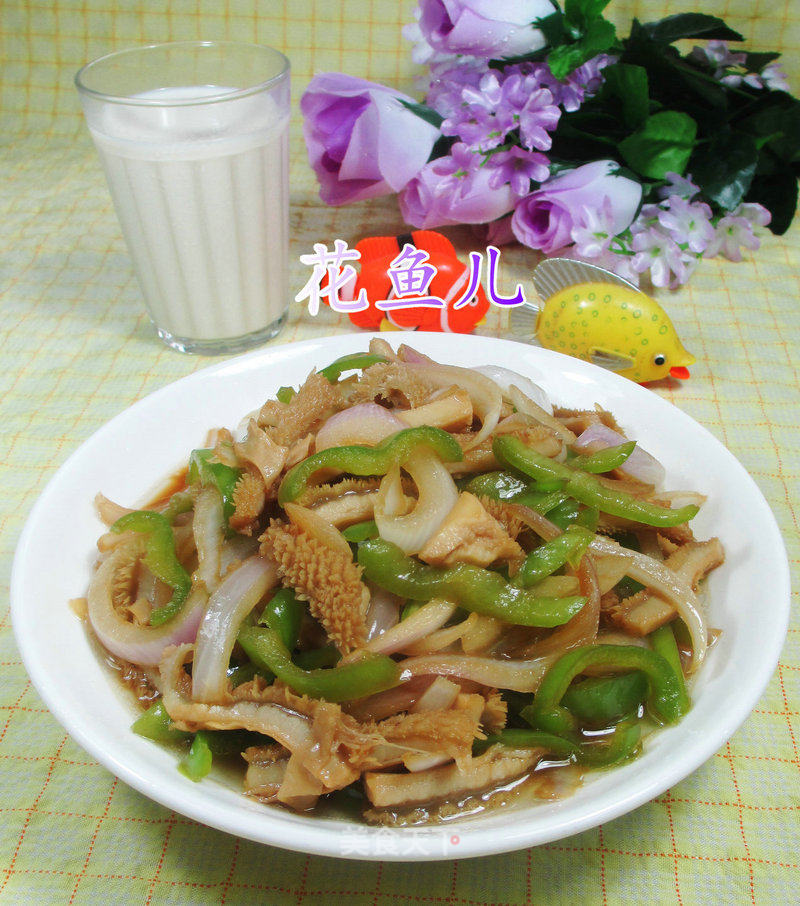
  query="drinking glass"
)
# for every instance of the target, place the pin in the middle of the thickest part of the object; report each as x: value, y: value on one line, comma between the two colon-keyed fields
x: 193, y: 137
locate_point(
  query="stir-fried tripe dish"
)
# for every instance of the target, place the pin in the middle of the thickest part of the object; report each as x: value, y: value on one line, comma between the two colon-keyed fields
x: 415, y: 582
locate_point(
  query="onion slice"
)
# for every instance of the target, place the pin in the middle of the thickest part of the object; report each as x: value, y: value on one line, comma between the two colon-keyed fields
x: 639, y: 465
x: 141, y: 645
x: 108, y: 510
x: 207, y: 527
x: 505, y: 378
x: 540, y: 524
x: 439, y: 696
x: 519, y: 676
x: 227, y: 607
x: 582, y: 628
x: 427, y: 619
x: 442, y: 638
x: 487, y: 398
x: 383, y: 612
x: 366, y: 423
x: 316, y: 527
x: 438, y: 495
x: 527, y: 406
x: 664, y: 582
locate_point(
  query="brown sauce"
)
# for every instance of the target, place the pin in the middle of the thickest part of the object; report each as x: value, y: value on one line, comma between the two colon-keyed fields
x: 172, y: 485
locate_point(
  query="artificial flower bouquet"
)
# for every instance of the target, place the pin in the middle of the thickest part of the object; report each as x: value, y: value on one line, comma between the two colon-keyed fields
x: 549, y: 128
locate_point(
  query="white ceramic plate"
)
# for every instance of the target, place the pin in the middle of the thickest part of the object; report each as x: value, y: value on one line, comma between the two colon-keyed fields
x: 749, y: 597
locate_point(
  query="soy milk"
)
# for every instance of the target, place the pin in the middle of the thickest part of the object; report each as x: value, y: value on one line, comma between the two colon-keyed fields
x: 201, y: 191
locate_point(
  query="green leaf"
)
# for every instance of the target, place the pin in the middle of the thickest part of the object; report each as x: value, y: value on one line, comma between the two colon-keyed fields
x: 664, y: 143
x: 777, y: 191
x: 676, y: 83
x: 582, y: 136
x: 776, y: 117
x: 582, y: 12
x: 690, y: 25
x: 599, y: 37
x: 442, y: 145
x: 554, y: 29
x: 423, y: 112
x: 629, y: 85
x: 755, y: 61
x: 724, y: 169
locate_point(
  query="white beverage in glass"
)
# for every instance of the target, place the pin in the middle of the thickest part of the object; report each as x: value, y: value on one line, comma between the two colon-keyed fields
x: 199, y: 178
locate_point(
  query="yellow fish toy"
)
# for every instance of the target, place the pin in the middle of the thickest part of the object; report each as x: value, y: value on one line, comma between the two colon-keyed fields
x: 595, y: 315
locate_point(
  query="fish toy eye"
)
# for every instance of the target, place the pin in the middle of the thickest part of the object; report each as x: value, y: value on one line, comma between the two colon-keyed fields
x: 659, y: 359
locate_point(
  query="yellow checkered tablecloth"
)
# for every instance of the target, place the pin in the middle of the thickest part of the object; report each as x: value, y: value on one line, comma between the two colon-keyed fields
x: 77, y: 348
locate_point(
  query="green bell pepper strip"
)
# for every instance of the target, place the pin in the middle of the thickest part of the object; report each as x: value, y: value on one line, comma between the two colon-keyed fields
x: 589, y: 518
x: 619, y: 746
x: 284, y: 614
x: 361, y: 531
x: 285, y: 394
x: 372, y: 673
x: 663, y: 643
x: 358, y: 459
x: 586, y: 488
x: 543, y: 502
x: 315, y: 658
x: 507, y: 486
x: 602, y: 701
x: 355, y: 361
x: 409, y: 609
x: 568, y: 547
x: 196, y: 764
x: 527, y: 739
x: 626, y: 587
x: 475, y: 589
x: 664, y: 700
x: 217, y: 474
x: 565, y: 514
x: 160, y: 558
x: 240, y: 673
x: 180, y: 502
x: 156, y: 724
x: 497, y: 485
x: 603, y: 460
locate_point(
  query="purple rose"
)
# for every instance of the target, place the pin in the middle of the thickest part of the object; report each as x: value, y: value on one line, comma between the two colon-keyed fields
x: 362, y: 141
x: 545, y: 218
x: 454, y: 189
x: 483, y: 28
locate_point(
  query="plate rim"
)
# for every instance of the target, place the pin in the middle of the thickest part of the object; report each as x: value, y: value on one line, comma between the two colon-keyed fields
x: 315, y: 839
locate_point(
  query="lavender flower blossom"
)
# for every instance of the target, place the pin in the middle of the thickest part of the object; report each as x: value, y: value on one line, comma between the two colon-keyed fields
x: 454, y: 189
x: 537, y: 119
x: 731, y: 234
x: 719, y: 55
x: 482, y: 120
x: 517, y: 167
x: 774, y: 78
x: 448, y: 80
x: 581, y: 83
x: 611, y: 261
x: 593, y: 230
x: 656, y: 252
x: 687, y: 223
x: 734, y: 79
x: 678, y: 185
x: 755, y: 214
